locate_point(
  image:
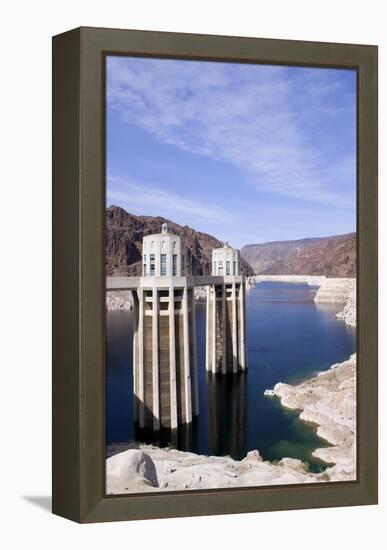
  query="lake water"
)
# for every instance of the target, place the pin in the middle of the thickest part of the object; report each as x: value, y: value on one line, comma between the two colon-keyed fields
x: 289, y: 339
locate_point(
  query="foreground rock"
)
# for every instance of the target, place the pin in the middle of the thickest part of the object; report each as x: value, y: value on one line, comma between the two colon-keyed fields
x: 329, y: 400
x: 132, y: 471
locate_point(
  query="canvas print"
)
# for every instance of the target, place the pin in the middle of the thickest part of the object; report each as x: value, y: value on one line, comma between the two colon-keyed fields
x: 230, y: 275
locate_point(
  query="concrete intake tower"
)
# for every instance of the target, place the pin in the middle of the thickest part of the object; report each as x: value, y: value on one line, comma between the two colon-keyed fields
x: 165, y: 367
x: 225, y: 320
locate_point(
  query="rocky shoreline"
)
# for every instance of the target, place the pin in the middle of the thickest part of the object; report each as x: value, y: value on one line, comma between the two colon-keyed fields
x: 328, y: 400
x: 312, y: 280
x: 331, y: 290
x: 349, y: 312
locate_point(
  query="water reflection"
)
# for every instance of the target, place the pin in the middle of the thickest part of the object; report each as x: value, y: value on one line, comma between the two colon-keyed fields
x: 226, y: 414
x: 185, y: 438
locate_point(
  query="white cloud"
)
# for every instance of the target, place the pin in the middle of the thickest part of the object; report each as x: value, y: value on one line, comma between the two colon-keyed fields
x: 260, y: 121
x: 141, y: 198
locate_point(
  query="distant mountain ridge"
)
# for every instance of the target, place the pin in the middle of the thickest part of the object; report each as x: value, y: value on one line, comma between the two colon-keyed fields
x: 262, y: 256
x: 124, y: 234
x: 330, y: 256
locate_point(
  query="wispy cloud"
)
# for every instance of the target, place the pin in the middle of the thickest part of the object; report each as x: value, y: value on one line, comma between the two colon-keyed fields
x: 142, y: 198
x: 277, y: 128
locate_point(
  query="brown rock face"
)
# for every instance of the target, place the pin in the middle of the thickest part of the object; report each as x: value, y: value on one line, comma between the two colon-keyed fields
x: 262, y: 256
x: 124, y: 234
x: 329, y: 256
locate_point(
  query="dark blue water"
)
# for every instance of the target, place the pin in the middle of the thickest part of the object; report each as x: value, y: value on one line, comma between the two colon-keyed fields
x: 289, y: 339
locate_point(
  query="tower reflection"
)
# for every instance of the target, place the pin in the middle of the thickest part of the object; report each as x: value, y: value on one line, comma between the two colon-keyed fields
x: 184, y: 438
x: 226, y: 414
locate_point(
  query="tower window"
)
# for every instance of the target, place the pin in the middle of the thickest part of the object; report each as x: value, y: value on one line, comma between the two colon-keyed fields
x: 163, y: 265
x: 152, y: 265
x: 183, y: 264
x: 174, y: 265
x: 235, y: 268
x: 227, y: 268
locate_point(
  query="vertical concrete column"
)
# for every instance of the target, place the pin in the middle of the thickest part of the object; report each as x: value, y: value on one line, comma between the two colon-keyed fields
x: 234, y: 330
x: 135, y: 344
x: 187, y: 373
x: 194, y: 368
x: 213, y: 338
x: 208, y: 326
x: 242, y: 325
x: 224, y: 335
x: 172, y: 359
x: 140, y: 364
x: 155, y: 361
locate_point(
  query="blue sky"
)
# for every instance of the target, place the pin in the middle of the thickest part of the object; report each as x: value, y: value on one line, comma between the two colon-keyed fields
x: 247, y: 153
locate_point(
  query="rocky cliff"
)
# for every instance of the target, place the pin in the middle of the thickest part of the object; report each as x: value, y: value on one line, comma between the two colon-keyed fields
x: 124, y: 234
x: 329, y: 256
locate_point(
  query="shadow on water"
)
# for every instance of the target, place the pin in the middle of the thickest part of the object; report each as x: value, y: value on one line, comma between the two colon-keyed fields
x: 289, y: 339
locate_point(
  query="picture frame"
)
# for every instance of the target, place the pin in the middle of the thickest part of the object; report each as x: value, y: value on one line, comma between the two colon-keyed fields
x: 78, y: 482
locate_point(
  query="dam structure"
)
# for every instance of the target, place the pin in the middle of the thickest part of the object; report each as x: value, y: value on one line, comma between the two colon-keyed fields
x: 165, y: 380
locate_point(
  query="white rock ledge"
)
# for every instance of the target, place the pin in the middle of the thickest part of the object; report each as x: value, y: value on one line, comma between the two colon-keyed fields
x: 335, y: 290
x: 329, y: 400
x: 349, y: 312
